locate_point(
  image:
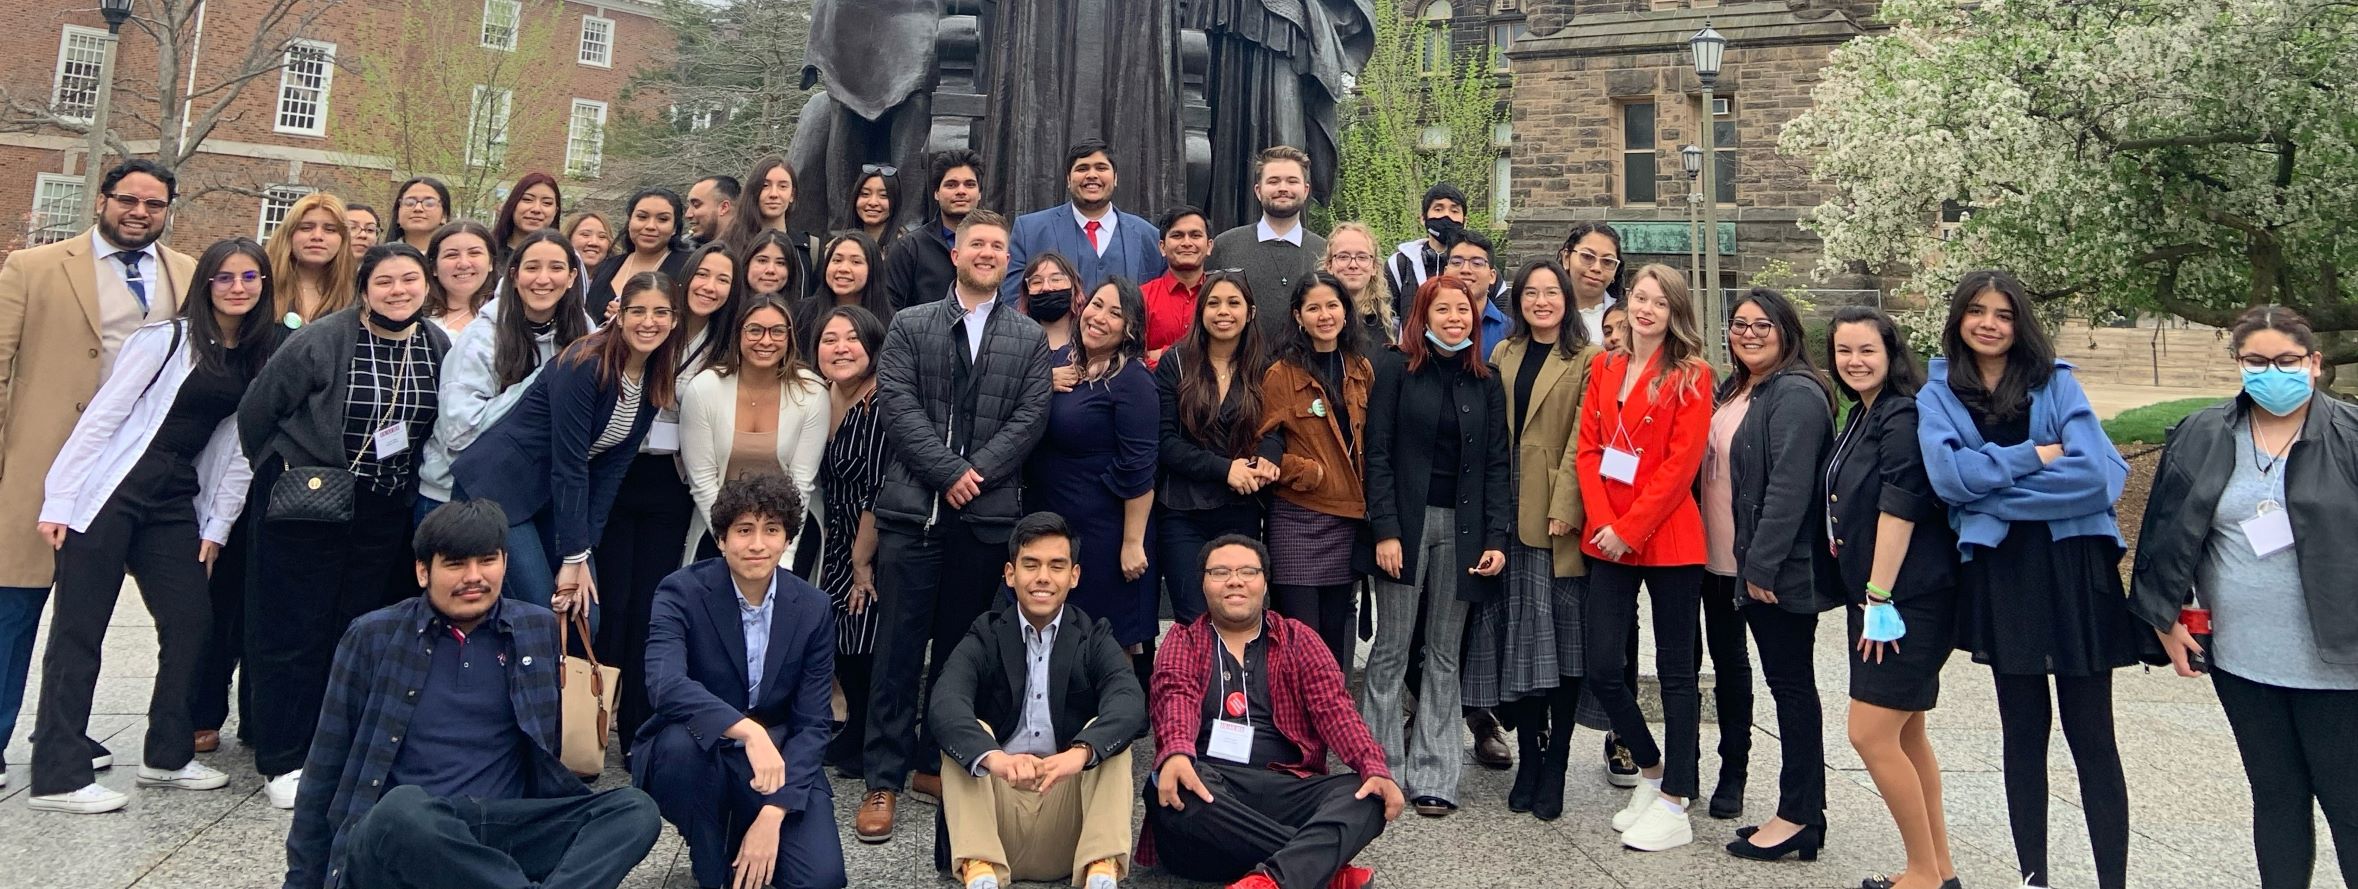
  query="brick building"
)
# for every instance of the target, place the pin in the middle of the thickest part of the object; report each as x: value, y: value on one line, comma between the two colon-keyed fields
x: 1604, y: 95
x: 318, y: 120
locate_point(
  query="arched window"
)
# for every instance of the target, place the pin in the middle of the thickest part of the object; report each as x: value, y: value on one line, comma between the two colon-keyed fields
x: 1433, y: 57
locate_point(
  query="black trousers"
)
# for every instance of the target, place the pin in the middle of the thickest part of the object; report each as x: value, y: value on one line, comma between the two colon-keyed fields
x: 708, y: 796
x: 410, y: 840
x: 931, y: 585
x: 1180, y: 550
x: 1731, y: 678
x: 2291, y: 744
x: 854, y: 672
x: 1785, y: 640
x: 1609, y: 607
x: 208, y: 701
x: 1328, y: 609
x: 2024, y: 715
x: 148, y: 526
x: 1299, y: 831
x: 309, y: 581
x: 639, y: 547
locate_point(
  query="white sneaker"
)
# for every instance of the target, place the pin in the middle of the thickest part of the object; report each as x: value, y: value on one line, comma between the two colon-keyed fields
x: 1659, y: 829
x: 3, y: 777
x: 193, y: 776
x: 89, y: 800
x: 1641, y: 798
x: 282, y: 789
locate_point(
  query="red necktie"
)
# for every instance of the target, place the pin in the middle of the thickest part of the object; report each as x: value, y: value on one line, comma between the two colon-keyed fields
x: 1091, y: 231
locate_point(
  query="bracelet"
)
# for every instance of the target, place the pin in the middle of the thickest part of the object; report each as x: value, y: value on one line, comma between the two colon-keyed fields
x: 1877, y: 593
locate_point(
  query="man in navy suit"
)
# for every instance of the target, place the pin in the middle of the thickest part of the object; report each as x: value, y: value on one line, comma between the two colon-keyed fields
x: 1100, y: 239
x: 740, y: 660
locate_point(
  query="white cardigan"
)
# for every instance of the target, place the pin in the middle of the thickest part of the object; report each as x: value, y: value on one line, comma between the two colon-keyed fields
x: 708, y: 430
x: 120, y: 423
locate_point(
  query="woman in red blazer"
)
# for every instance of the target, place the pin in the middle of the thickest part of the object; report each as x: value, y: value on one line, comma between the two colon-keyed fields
x: 1645, y: 419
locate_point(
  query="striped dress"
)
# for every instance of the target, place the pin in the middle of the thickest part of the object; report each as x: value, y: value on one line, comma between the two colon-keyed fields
x: 849, y: 474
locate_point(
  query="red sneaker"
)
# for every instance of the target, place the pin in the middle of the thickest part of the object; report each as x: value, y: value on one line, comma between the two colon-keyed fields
x: 1352, y: 876
x: 1254, y: 880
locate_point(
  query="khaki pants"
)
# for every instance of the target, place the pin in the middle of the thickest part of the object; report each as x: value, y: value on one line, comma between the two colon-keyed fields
x: 1035, y: 836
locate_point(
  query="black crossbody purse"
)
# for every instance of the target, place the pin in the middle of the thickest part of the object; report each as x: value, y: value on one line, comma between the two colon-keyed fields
x: 324, y: 493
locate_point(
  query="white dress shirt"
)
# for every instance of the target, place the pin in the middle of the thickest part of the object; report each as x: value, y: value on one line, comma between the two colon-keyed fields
x: 1105, y: 227
x: 1266, y: 232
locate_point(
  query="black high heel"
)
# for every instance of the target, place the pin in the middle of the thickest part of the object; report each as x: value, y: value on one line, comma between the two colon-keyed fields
x: 1805, y: 844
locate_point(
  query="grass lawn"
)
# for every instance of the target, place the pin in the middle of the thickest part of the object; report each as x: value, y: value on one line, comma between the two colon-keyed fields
x: 2148, y: 424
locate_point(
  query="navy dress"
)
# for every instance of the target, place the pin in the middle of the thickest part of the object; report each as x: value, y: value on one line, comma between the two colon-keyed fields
x: 1100, y: 451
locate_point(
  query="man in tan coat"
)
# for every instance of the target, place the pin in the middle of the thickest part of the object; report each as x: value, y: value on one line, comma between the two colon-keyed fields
x: 64, y: 310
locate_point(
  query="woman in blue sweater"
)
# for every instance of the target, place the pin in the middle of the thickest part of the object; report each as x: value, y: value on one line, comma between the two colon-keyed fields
x: 2012, y: 446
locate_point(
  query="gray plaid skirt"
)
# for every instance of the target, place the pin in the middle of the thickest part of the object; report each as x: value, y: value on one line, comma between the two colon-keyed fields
x: 1525, y: 641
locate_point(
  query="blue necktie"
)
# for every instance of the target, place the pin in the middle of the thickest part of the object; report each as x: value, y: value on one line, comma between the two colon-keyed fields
x: 130, y: 259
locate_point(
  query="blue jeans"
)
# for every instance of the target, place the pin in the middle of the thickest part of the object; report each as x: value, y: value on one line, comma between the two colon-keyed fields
x: 532, y: 572
x: 20, y: 616
x: 420, y: 507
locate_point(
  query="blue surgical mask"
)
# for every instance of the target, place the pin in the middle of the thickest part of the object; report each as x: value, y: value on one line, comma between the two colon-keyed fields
x: 2275, y: 391
x: 1445, y: 345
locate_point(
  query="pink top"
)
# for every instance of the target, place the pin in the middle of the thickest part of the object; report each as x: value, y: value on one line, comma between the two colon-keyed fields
x: 1719, y: 494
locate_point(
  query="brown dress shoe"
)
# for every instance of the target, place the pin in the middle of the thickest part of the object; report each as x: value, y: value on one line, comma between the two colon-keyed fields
x: 1490, y: 746
x: 207, y: 740
x: 923, y: 784
x: 875, y: 820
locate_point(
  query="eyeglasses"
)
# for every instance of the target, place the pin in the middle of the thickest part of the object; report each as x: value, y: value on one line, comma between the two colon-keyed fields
x: 769, y: 332
x: 130, y: 202
x: 1757, y: 329
x: 1592, y: 259
x: 1468, y: 262
x: 368, y: 230
x: 227, y: 279
x: 879, y: 170
x: 1352, y: 259
x: 637, y: 312
x: 422, y: 203
x: 2284, y: 363
x: 1248, y: 573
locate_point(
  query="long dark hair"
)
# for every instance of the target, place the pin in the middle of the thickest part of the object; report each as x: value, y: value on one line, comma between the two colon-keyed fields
x: 1572, y: 238
x: 504, y: 229
x: 438, y: 301
x: 1792, y: 343
x: 851, y: 202
x: 745, y: 221
x: 1571, y: 334
x: 679, y: 224
x: 2029, y: 364
x: 609, y: 348
x: 875, y: 297
x: 514, y: 355
x: 441, y: 192
x: 1294, y: 346
x: 731, y: 361
x: 796, y: 286
x: 865, y: 327
x: 723, y: 321
x: 1903, y: 378
x: 1412, y: 328
x: 258, y: 331
x: 1199, y: 382
x: 1133, y: 344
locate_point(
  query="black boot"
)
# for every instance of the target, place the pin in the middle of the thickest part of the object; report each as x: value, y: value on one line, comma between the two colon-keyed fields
x: 1547, y: 804
x: 1530, y: 735
x: 1727, y: 800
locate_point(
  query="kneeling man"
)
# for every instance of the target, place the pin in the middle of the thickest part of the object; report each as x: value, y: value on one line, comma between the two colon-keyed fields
x: 740, y: 661
x: 1035, y: 711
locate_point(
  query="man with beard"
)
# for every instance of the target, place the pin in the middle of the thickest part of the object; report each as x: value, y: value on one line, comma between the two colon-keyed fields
x: 1414, y: 261
x: 64, y: 310
x: 710, y: 203
x: 1170, y: 299
x: 962, y: 389
x: 1101, y: 240
x: 917, y: 267
x: 1276, y: 251
x: 436, y: 762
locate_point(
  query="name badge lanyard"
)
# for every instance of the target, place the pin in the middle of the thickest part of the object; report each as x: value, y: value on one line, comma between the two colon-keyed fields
x: 2270, y: 527
x: 1842, y: 447
x: 1620, y: 461
x: 1233, y: 704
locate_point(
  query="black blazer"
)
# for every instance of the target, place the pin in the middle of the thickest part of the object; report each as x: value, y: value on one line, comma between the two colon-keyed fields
x: 1879, y: 468
x: 1779, y: 494
x: 1402, y: 422
x: 603, y: 288
x: 1088, y: 678
x: 1194, y: 472
x: 695, y: 671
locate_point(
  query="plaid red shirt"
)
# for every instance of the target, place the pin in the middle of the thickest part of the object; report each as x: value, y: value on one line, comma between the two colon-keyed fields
x: 1310, y: 706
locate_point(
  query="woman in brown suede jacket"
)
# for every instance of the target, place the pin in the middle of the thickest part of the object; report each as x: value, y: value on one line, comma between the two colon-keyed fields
x: 1313, y: 411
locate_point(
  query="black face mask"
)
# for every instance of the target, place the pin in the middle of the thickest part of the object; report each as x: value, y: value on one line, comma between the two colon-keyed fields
x: 389, y: 325
x: 1444, y: 230
x: 1049, y: 306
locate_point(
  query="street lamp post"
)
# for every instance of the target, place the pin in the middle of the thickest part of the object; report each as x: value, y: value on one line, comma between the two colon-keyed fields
x: 1691, y: 158
x: 117, y: 12
x: 1708, y: 46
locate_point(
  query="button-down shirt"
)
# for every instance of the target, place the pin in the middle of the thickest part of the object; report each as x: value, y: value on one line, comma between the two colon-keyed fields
x: 756, y: 619
x: 1264, y: 231
x: 1036, y: 733
x: 1105, y: 227
x: 1170, y: 309
x: 976, y: 319
x: 102, y: 252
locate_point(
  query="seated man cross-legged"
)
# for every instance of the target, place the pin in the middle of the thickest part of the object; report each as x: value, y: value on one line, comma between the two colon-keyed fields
x: 1246, y: 704
x: 1035, y: 712
x: 740, y: 662
x: 435, y: 764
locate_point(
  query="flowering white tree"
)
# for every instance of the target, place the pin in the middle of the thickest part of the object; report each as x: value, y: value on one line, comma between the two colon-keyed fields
x: 2192, y: 157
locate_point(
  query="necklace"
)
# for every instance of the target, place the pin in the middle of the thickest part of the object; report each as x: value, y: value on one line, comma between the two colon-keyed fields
x: 2264, y: 457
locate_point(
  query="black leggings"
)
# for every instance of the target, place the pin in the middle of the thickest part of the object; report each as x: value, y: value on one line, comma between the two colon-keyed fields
x: 2291, y: 744
x: 1731, y: 667
x: 1327, y: 609
x: 2023, y: 715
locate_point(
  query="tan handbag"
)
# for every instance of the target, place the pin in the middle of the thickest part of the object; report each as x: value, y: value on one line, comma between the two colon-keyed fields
x: 586, y: 692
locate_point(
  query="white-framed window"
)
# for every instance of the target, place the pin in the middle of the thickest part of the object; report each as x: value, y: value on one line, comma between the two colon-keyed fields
x: 80, y: 52
x: 1637, y: 153
x: 501, y: 20
x: 303, y: 88
x: 1723, y: 149
x: 487, y: 125
x: 277, y: 201
x: 585, y: 139
x: 57, y: 209
x: 597, y: 41
x: 1502, y: 38
x: 1432, y: 57
x: 1502, y: 169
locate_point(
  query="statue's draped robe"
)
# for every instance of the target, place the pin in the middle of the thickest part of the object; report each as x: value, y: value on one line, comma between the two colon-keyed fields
x: 1060, y: 71
x: 1277, y: 78
x: 875, y: 60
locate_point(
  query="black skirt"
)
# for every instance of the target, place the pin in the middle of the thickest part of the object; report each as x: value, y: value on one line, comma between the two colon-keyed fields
x: 2033, y: 605
x: 1907, y: 680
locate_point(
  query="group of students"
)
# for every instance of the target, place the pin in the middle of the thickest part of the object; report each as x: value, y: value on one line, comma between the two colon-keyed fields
x: 835, y: 442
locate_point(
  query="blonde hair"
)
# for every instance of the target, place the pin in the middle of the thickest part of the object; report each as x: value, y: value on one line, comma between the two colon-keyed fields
x: 337, y: 282
x: 1682, y: 349
x: 1376, y: 298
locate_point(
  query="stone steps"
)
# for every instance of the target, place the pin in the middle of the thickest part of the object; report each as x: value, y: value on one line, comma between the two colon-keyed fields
x: 2187, y: 356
